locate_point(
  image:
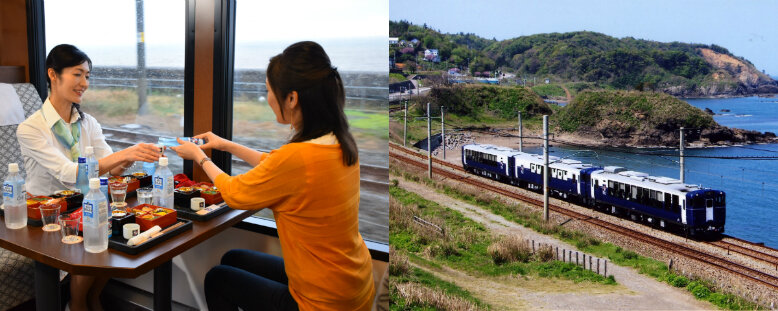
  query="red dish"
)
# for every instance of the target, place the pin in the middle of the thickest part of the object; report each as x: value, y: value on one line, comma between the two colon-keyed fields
x: 34, y: 203
x: 211, y: 196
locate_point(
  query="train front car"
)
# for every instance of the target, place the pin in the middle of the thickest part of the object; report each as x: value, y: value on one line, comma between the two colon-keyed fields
x: 488, y: 160
x: 659, y: 201
x: 705, y: 212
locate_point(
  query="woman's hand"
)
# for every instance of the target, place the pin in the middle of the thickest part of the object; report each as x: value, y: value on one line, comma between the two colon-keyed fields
x: 190, y: 151
x: 213, y: 141
x: 142, y: 152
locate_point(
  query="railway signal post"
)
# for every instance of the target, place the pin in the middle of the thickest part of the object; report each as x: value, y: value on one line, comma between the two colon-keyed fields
x: 545, y: 167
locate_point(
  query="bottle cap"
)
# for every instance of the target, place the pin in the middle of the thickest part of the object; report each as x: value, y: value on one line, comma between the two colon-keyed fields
x: 94, y: 183
x: 13, y: 167
x: 90, y: 150
x: 163, y: 161
x: 81, y: 160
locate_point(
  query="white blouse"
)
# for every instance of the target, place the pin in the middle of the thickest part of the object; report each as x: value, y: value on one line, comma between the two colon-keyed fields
x: 49, y: 168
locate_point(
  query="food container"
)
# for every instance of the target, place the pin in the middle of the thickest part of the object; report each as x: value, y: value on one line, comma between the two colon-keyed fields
x: 202, y: 186
x: 183, y: 195
x: 34, y: 203
x: 144, y: 180
x: 119, y: 220
x: 211, y: 196
x: 74, y: 199
x: 147, y: 216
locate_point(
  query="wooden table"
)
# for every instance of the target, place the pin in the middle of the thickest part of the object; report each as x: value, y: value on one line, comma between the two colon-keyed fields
x: 51, y: 255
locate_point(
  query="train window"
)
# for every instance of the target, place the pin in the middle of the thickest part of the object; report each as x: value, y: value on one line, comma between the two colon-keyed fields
x: 358, y: 52
x: 634, y: 192
x: 676, y: 204
x: 136, y: 87
x: 667, y: 199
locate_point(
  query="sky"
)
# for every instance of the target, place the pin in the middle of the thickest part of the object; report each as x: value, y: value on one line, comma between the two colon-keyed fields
x: 354, y: 30
x: 747, y: 28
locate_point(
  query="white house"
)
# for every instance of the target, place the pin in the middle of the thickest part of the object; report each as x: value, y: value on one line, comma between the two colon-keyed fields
x: 431, y: 55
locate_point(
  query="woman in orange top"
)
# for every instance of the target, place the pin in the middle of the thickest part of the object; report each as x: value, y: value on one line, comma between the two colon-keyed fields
x: 312, y: 186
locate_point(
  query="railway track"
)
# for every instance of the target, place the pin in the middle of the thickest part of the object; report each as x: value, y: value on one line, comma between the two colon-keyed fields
x: 749, y: 273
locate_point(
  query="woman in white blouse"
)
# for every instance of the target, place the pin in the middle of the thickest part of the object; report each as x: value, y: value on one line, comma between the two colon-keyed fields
x: 53, y: 138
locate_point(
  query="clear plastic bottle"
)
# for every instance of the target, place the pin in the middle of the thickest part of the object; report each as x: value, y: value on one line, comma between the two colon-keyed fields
x: 14, y: 198
x: 82, y: 178
x: 163, y: 185
x: 93, y: 167
x: 95, y: 216
x: 104, y: 188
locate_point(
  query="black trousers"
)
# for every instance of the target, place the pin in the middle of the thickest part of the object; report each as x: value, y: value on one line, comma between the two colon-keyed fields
x: 250, y: 280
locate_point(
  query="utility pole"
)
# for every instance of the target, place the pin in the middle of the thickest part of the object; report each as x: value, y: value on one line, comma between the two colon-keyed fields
x: 521, y: 136
x: 142, y: 83
x: 405, y: 124
x: 545, y: 167
x: 429, y: 141
x: 443, y: 132
x: 681, y: 149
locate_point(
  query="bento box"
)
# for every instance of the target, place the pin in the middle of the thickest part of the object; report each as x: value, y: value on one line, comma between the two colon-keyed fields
x: 73, y: 198
x: 34, y: 204
x: 182, y: 196
x: 211, y: 196
x: 147, y: 216
x: 144, y: 180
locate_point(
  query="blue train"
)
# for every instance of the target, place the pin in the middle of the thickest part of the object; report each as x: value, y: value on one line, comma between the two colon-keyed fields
x: 659, y: 201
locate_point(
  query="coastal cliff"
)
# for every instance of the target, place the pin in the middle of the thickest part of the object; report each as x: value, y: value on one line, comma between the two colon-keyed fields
x: 646, y: 119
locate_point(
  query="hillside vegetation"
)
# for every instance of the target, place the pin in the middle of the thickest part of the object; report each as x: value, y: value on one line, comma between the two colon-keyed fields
x: 488, y: 100
x: 681, y: 69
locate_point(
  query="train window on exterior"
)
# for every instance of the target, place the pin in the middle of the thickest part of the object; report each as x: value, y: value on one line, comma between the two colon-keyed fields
x: 668, y: 199
x: 676, y: 204
x: 136, y: 86
x: 353, y: 34
x: 634, y: 192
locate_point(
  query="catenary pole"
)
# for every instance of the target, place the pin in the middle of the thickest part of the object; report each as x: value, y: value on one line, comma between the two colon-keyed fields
x: 545, y: 167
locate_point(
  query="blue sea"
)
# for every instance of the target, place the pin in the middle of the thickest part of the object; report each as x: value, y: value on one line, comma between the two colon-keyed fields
x: 751, y: 185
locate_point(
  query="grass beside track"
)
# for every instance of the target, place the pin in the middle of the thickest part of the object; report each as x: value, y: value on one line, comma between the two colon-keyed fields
x: 701, y: 289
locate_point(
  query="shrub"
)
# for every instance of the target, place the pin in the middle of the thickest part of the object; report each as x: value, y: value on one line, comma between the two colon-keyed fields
x: 414, y: 293
x: 398, y: 263
x: 545, y: 254
x: 698, y: 289
x: 678, y: 281
x: 630, y: 255
x: 509, y: 249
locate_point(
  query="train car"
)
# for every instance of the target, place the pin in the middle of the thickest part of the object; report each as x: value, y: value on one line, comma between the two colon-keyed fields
x: 659, y: 201
x: 489, y: 161
x: 567, y: 177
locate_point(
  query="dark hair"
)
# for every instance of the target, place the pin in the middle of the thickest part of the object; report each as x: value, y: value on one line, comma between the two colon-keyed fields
x: 305, y: 67
x: 63, y: 56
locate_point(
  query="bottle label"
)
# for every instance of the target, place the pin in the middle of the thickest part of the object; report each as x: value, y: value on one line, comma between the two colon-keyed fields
x: 8, y: 190
x: 88, y: 209
x: 158, y: 182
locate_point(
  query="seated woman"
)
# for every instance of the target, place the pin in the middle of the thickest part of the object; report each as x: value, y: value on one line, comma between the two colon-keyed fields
x: 312, y: 186
x: 52, y: 139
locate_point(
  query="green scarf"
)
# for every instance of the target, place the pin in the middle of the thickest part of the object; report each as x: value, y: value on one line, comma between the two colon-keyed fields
x: 69, y: 138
